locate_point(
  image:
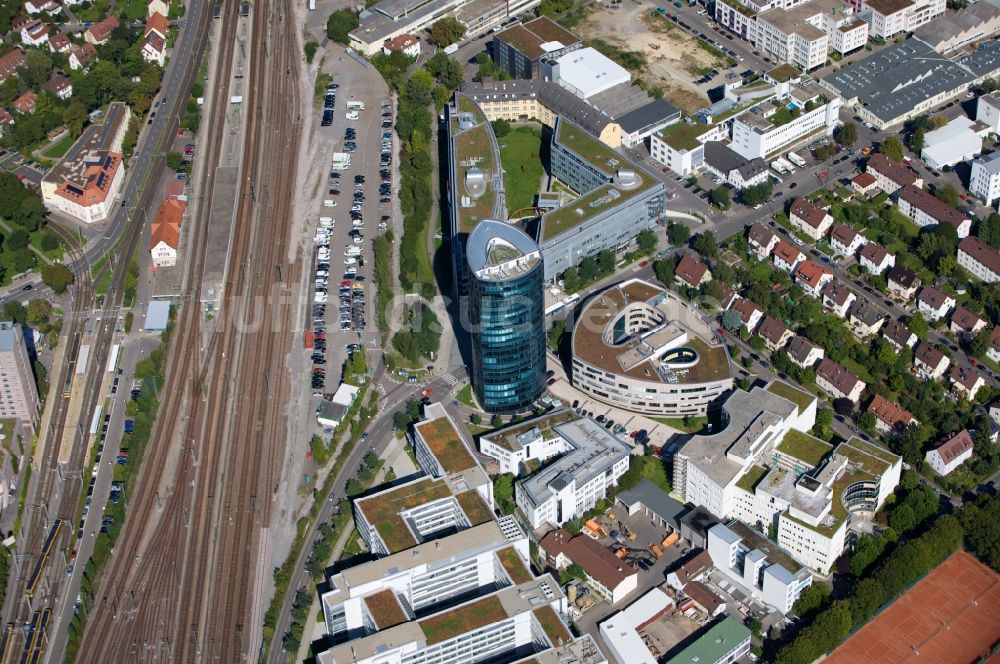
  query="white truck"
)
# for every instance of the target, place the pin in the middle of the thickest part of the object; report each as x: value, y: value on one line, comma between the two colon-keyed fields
x: 355, y: 105
x: 352, y: 250
x: 777, y: 166
x: 341, y: 161
x: 787, y: 165
x: 796, y: 159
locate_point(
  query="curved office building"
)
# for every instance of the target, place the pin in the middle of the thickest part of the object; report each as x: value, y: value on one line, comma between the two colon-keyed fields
x: 506, y: 311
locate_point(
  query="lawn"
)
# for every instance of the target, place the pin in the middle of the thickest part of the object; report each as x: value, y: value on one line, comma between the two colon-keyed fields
x: 522, y: 166
x: 59, y: 148
x: 466, y: 397
x: 134, y: 10
x: 462, y: 619
x: 687, y: 425
x: 796, y: 396
x: 804, y: 447
x: 95, y: 12
x: 36, y: 242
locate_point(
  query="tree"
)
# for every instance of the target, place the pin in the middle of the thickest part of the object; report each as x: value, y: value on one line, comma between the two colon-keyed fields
x: 917, y: 140
x: 503, y: 492
x: 15, y: 311
x: 918, y: 325
x: 500, y: 126
x: 664, y: 270
x: 446, y: 31
x: 496, y: 421
x: 892, y: 148
x: 867, y: 422
x: 948, y: 194
x: 812, y: 599
x: 340, y: 23
x: 988, y: 230
x: 57, y: 277
x: 49, y: 242
x: 706, y: 245
x: 18, y: 240
x: 843, y: 406
x: 556, y: 334
x: 175, y: 160
x: 38, y: 312
x: 646, y: 241
x: 588, y: 268
x: 757, y: 194
x: 847, y: 134
x: 731, y: 321
x: 36, y: 68
x: 678, y: 233
x: 980, y: 343
x: 719, y: 197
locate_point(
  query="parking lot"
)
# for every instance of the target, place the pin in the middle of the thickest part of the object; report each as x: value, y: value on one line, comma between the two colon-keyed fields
x: 350, y: 215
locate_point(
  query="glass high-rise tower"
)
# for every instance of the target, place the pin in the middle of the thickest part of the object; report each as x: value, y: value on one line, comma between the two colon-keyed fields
x: 507, y: 314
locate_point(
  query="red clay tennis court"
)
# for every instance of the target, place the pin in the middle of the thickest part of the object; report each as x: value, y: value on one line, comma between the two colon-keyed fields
x: 951, y: 616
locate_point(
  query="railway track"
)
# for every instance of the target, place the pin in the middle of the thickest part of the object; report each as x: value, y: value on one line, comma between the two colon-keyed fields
x: 179, y: 585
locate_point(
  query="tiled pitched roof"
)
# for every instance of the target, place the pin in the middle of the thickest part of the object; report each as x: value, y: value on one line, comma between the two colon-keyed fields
x: 842, y: 379
x: 892, y: 415
x: 772, y: 329
x: 952, y: 448
x: 981, y: 252
x: 691, y: 270
x: 808, y: 212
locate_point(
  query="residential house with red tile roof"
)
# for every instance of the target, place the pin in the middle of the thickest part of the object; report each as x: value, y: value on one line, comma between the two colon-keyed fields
x: 979, y: 259
x: 25, y: 104
x: 60, y: 43
x: 903, y: 282
x: 838, y: 381
x: 898, y: 334
x: 761, y: 240
x: 925, y: 209
x: 609, y: 576
x: 82, y: 57
x: 951, y: 453
x: 874, y: 259
x: 837, y: 298
x: 787, y: 256
x: 691, y: 272
x: 749, y: 313
x: 165, y: 233
x: 865, y: 184
x: 774, y: 333
x: 934, y: 304
x: 889, y: 418
x: 809, y: 218
x: 966, y: 382
x: 100, y: 33
x: 59, y: 86
x: 6, y: 120
x: 845, y: 240
x: 965, y: 324
x: 10, y: 62
x: 35, y: 33
x: 929, y: 361
x: 408, y: 45
x: 812, y: 277
x: 890, y: 176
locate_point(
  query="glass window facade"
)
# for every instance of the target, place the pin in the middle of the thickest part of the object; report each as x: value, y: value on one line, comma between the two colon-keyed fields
x: 508, y: 340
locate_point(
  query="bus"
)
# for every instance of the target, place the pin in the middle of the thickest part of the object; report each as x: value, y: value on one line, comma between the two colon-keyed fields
x: 355, y: 105
x: 554, y: 309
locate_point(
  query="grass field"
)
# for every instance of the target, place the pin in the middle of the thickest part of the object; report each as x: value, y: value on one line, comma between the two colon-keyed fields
x: 60, y: 147
x: 36, y: 242
x: 522, y: 166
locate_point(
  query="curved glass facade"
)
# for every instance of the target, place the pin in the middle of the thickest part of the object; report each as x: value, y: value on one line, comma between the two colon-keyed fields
x: 508, y: 340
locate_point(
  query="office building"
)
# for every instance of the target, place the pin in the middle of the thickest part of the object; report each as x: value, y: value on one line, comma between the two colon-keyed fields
x: 907, y: 79
x: 888, y: 18
x: 19, y: 397
x: 804, y: 34
x: 621, y: 631
x: 580, y: 463
x: 507, y: 317
x: 641, y: 348
x: 85, y: 183
x: 968, y: 25
x: 388, y: 19
x: 772, y: 126
x: 988, y: 111
x: 984, y: 180
x: 519, y: 49
x: 959, y: 140
x: 979, y: 259
x: 757, y: 566
x: 681, y: 147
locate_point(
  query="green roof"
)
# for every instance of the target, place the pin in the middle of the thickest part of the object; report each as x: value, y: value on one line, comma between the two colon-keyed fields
x: 740, y: 7
x: 750, y: 479
x: 784, y: 73
x: 579, y: 210
x: 474, y: 507
x: 462, y: 620
x: 466, y: 105
x: 804, y: 447
x: 684, y: 136
x: 875, y: 461
x: 445, y: 444
x: 720, y: 639
x: 475, y: 144
x: 800, y: 398
x: 592, y: 150
x: 382, y: 510
x: 838, y: 512
x: 554, y: 628
x: 513, y: 565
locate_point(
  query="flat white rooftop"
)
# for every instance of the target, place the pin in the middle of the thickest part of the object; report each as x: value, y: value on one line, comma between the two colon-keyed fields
x: 587, y: 72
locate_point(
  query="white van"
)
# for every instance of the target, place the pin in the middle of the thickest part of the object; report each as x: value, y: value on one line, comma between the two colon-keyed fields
x: 329, y: 203
x: 350, y: 261
x: 352, y: 250
x: 353, y: 115
x: 326, y: 222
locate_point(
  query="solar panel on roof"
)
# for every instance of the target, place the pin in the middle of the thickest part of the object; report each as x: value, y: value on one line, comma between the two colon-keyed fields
x: 100, y: 180
x: 107, y: 161
x: 76, y: 191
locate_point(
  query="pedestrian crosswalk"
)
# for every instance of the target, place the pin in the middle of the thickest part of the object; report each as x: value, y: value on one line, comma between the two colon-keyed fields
x: 449, y: 380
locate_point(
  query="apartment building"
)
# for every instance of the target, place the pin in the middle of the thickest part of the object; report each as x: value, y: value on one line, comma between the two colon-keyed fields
x: 19, y: 395
x: 903, y: 282
x: 757, y: 565
x: 984, y: 180
x: 890, y: 176
x: 787, y: 256
x: 845, y: 240
x: 924, y: 209
x: 588, y: 463
x: 838, y: 381
x: 888, y: 18
x: 803, y: 352
x: 691, y: 272
x: 965, y: 324
x: 875, y: 259
x: 772, y: 126
x: 965, y: 382
x: 811, y: 277
x: 950, y: 453
x: 979, y: 259
x: 761, y: 240
x: 889, y: 418
x: 930, y: 362
x: 837, y: 298
x: 804, y: 34
x: 934, y: 304
x: 774, y: 333
x: 898, y: 334
x: 809, y: 218
x: 750, y: 314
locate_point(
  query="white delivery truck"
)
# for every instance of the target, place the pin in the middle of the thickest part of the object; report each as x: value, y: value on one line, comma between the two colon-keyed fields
x: 796, y: 159
x: 341, y: 161
x: 355, y: 105
x: 326, y: 222
x: 787, y: 165
x: 778, y: 167
x: 352, y: 250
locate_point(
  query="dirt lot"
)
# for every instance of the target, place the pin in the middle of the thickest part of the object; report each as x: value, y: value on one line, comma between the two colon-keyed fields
x: 674, y: 58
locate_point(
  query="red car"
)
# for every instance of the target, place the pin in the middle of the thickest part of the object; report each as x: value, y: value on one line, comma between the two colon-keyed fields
x: 346, y: 283
x: 643, y: 263
x: 973, y: 362
x: 427, y: 392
